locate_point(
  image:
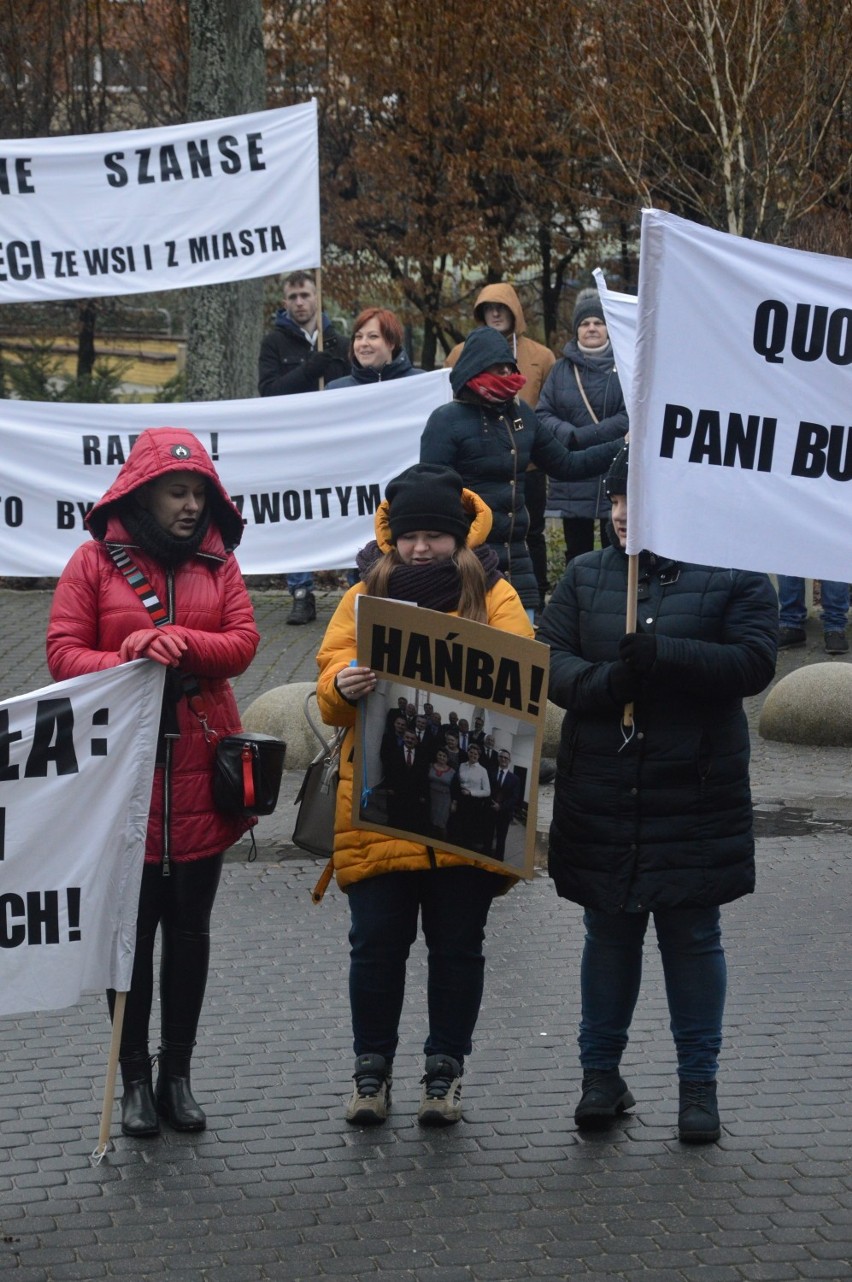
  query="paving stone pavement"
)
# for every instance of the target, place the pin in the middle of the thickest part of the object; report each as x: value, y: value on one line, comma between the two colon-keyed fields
x: 279, y: 1188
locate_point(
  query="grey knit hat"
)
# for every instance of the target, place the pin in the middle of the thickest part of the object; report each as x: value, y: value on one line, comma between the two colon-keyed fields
x: 588, y: 304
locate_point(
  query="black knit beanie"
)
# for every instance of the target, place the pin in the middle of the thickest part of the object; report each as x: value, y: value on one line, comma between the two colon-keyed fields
x: 588, y: 304
x: 615, y: 481
x: 427, y: 497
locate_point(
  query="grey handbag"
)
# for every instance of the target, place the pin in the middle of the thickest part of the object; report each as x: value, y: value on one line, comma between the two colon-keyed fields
x: 314, y: 830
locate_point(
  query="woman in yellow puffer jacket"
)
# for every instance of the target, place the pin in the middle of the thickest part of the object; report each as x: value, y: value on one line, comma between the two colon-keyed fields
x: 430, y: 549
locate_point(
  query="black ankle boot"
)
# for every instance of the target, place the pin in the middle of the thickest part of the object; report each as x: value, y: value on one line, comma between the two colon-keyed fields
x: 698, y: 1116
x: 138, y: 1110
x: 175, y: 1101
x: 605, y: 1096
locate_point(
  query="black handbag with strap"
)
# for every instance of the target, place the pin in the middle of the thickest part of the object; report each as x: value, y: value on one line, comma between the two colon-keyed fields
x: 247, y: 765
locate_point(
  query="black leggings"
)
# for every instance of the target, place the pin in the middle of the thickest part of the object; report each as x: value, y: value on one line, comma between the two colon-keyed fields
x: 181, y: 904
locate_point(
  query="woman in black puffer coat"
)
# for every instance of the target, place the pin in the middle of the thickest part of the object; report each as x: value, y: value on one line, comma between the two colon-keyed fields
x: 490, y: 438
x: 657, y: 821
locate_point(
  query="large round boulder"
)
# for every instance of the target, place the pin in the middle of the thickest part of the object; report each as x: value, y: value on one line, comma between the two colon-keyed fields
x: 552, y: 730
x: 281, y: 712
x: 811, y: 705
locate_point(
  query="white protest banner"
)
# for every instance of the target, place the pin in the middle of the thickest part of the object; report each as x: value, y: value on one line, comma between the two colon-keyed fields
x: 741, y: 442
x: 151, y: 209
x: 620, y: 316
x: 308, y: 472
x: 76, y: 766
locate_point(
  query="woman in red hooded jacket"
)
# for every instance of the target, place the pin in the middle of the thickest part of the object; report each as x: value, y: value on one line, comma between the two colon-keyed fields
x: 168, y: 512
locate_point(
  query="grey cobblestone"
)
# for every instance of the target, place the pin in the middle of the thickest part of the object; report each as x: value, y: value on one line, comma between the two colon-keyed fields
x: 279, y: 1189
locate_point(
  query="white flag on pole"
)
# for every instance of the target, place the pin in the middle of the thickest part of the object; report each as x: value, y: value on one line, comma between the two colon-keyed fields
x: 76, y: 767
x: 740, y: 434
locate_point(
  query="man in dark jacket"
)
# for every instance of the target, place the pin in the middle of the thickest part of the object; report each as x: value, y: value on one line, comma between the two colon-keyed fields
x: 407, y: 782
x: 490, y: 438
x: 290, y: 362
x: 506, y: 797
x: 652, y: 813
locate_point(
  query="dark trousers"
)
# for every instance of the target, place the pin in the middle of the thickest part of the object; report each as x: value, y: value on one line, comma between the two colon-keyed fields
x: 453, y: 905
x: 690, y: 943
x: 502, y: 823
x: 181, y: 905
x: 579, y: 534
x: 535, y: 493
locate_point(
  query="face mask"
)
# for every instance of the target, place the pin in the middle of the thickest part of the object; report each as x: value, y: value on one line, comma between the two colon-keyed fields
x: 497, y: 388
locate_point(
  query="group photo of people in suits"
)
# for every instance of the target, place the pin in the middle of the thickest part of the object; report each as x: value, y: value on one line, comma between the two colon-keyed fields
x: 440, y: 771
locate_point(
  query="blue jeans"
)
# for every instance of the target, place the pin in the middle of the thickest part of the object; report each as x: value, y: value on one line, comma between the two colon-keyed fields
x: 453, y: 904
x: 690, y: 943
x: 792, y: 612
x: 304, y: 579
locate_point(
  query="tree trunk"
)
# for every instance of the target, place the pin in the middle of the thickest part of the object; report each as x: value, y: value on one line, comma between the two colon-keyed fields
x: 549, y: 297
x: 227, y: 77
x: 430, y: 345
x: 87, y: 314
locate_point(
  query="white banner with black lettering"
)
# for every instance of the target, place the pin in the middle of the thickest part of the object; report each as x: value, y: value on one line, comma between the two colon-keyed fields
x: 76, y: 766
x: 308, y: 472
x: 620, y: 315
x: 740, y: 434
x: 151, y: 209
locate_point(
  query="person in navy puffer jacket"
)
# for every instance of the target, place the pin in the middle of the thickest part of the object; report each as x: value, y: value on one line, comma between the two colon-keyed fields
x: 582, y: 401
x: 654, y: 819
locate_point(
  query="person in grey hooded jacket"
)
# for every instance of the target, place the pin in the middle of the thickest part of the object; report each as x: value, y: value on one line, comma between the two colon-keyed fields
x: 490, y: 438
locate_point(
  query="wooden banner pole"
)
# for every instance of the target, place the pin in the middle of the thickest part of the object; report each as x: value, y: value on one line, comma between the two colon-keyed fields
x: 630, y: 621
x: 112, y: 1069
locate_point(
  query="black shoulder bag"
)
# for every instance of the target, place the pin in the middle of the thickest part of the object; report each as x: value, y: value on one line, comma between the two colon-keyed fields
x: 247, y: 766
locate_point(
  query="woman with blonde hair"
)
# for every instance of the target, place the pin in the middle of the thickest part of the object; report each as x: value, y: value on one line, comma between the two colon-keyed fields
x: 430, y: 549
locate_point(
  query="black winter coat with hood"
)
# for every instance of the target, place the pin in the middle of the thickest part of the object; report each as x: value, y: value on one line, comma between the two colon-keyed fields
x: 663, y: 820
x: 491, y: 446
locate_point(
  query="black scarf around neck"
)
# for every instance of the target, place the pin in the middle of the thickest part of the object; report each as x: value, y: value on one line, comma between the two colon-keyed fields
x: 157, y: 542
x: 436, y: 586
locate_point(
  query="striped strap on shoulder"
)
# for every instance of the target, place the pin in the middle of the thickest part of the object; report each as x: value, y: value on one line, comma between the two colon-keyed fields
x: 139, y: 583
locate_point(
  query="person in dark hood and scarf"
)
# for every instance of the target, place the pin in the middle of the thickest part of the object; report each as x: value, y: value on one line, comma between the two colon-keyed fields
x: 430, y: 550
x: 169, y: 513
x: 657, y: 821
x: 491, y: 438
